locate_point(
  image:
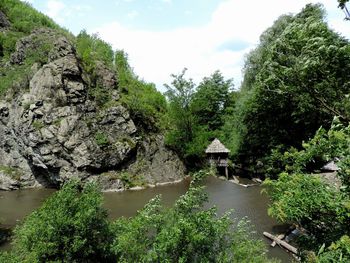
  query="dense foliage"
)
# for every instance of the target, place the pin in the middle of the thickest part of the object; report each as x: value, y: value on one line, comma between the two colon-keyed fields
x: 23, y: 19
x: 294, y: 82
x: 308, y: 200
x: 92, y: 49
x: 72, y: 226
x: 197, y: 114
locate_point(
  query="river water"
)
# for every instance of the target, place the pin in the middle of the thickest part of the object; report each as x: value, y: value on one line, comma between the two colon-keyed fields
x: 246, y: 202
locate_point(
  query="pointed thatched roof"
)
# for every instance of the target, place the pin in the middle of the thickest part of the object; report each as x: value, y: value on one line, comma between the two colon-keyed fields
x: 216, y: 147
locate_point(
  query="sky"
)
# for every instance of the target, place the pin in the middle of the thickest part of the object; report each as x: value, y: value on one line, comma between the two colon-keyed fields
x: 162, y: 37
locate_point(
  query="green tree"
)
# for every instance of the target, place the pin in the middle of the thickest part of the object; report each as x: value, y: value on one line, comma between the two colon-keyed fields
x: 210, y: 100
x: 197, y: 114
x: 179, y: 95
x: 306, y: 199
x: 71, y: 226
x: 294, y: 82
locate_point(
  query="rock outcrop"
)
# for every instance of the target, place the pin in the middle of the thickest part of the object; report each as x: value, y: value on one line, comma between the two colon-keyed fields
x: 4, y: 23
x: 52, y: 131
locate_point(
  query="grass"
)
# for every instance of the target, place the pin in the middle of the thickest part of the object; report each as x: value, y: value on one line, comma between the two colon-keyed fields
x: 101, y: 139
x: 14, y: 173
x: 38, y: 125
x: 128, y: 180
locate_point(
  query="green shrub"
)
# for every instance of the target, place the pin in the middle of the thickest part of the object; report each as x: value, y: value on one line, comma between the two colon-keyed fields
x: 71, y: 226
x: 38, y: 125
x: 185, y: 233
x: 101, y: 139
x: 91, y: 48
x: 24, y: 18
x: 14, y: 173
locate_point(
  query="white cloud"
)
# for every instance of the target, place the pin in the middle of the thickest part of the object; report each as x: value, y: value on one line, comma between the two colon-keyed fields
x: 54, y: 9
x: 132, y: 14
x: 156, y: 54
x: 58, y: 11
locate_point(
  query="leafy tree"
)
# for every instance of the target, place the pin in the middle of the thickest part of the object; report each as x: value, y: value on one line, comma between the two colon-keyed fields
x: 180, y: 95
x: 322, y: 148
x: 210, y: 101
x: 311, y: 204
x: 197, y: 114
x: 306, y: 199
x: 295, y: 82
x: 71, y: 226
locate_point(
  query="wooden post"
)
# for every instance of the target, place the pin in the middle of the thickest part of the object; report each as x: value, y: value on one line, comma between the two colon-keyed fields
x: 226, y: 172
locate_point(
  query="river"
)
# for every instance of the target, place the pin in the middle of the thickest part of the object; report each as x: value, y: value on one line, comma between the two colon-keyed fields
x: 246, y: 202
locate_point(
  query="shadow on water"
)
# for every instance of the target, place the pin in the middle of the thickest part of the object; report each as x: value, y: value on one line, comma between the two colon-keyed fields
x: 246, y: 202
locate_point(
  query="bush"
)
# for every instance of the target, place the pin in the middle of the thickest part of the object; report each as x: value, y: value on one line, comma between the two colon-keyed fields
x: 24, y: 17
x: 91, y: 48
x: 101, y: 139
x: 185, y: 233
x: 71, y: 226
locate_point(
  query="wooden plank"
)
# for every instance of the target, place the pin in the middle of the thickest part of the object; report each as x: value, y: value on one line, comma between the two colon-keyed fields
x: 281, y: 243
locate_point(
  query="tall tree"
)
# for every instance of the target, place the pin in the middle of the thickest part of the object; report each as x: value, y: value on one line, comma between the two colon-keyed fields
x: 295, y: 82
x: 180, y: 94
x: 210, y: 100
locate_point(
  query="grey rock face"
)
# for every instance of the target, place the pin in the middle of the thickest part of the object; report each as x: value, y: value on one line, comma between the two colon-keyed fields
x: 54, y: 132
x: 155, y: 163
x: 7, y: 183
x: 4, y: 21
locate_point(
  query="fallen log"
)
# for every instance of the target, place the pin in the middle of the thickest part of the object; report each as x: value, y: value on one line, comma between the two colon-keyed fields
x: 281, y: 243
x: 280, y: 237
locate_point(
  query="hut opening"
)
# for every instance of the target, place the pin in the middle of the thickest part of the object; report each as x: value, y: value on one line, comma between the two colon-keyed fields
x: 217, y: 155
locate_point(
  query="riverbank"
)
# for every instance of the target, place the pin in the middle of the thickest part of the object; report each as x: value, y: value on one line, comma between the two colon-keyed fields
x: 139, y: 188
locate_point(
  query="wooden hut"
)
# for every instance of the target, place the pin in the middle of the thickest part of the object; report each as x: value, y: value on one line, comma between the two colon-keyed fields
x: 217, y: 155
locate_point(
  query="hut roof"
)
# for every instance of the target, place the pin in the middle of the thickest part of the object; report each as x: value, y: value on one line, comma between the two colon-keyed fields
x: 216, y: 147
x: 330, y: 166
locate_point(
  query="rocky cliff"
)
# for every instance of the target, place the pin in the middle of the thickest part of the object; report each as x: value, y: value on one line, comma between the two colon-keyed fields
x: 51, y: 130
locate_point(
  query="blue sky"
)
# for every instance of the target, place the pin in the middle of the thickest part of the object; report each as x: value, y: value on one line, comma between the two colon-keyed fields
x: 164, y: 36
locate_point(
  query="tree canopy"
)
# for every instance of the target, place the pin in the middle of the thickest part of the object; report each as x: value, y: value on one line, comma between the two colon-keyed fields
x: 294, y: 82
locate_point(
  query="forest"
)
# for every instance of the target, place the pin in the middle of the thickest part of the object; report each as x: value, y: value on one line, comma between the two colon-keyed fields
x: 289, y: 117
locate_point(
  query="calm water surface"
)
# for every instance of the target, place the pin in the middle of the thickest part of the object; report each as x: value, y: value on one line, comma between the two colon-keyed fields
x: 246, y: 202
